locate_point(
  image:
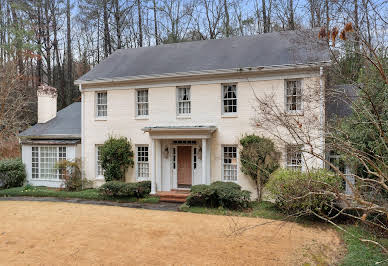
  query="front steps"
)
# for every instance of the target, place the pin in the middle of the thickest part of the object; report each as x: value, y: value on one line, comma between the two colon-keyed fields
x: 175, y: 195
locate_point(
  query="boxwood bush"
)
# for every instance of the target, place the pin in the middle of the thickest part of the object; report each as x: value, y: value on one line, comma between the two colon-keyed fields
x: 118, y: 189
x: 12, y: 173
x: 219, y: 194
x: 307, y: 192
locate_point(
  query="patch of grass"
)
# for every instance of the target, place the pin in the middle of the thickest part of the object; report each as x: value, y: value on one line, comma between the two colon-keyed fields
x: 263, y: 209
x: 90, y: 194
x: 361, y: 253
x: 150, y: 199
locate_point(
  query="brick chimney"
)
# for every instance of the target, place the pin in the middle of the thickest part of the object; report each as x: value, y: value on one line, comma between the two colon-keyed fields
x: 47, y: 103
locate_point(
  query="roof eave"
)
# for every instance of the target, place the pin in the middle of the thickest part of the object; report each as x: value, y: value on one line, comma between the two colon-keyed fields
x: 205, y: 72
x: 51, y: 136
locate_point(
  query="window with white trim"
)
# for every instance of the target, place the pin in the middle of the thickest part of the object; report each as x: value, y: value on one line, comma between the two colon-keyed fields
x: 183, y: 101
x: 44, y: 162
x: 293, y: 95
x: 100, y: 170
x: 142, y: 102
x: 142, y: 163
x: 102, y: 104
x: 294, y: 157
x: 229, y: 163
x: 229, y: 98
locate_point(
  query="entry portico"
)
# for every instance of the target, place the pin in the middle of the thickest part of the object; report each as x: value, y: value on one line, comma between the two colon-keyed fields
x: 180, y: 156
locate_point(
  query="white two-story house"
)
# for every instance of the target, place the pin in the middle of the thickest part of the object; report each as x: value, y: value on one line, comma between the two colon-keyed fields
x: 184, y: 108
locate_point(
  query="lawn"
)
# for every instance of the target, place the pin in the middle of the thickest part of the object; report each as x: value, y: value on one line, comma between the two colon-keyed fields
x: 357, y: 252
x: 89, y: 194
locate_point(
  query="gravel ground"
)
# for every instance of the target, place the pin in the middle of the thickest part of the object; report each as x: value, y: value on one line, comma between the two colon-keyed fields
x: 58, y: 233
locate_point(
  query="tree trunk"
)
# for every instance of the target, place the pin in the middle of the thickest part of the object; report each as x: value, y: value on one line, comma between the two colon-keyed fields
x: 107, y: 45
x: 265, y: 26
x: 259, y: 187
x: 227, y: 22
x: 140, y: 40
x: 69, y: 57
x: 156, y: 23
x: 118, y: 23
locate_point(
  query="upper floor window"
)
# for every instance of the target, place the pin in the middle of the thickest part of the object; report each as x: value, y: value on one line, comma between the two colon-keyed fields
x: 229, y: 99
x: 142, y: 102
x: 183, y: 101
x: 142, y: 163
x: 293, y: 95
x: 102, y: 104
x: 294, y: 157
x: 229, y: 164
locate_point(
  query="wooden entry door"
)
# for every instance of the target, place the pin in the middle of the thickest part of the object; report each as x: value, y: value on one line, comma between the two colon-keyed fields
x: 184, y: 167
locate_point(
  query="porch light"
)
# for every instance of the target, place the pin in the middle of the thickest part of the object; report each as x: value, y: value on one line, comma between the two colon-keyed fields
x: 200, y: 153
x: 166, y: 152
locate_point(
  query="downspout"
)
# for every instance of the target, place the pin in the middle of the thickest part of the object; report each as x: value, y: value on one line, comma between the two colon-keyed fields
x: 82, y: 136
x: 322, y: 113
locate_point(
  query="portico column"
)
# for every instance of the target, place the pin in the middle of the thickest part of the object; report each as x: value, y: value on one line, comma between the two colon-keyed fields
x: 153, y: 167
x: 204, y: 161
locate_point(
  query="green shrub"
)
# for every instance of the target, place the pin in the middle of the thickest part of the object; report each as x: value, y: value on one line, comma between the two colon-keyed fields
x: 219, y: 194
x: 12, y: 173
x: 118, y: 189
x: 259, y: 159
x: 72, y: 175
x: 116, y: 157
x: 307, y: 192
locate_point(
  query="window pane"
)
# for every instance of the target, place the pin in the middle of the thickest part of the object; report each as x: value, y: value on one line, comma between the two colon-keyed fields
x: 230, y: 98
x: 293, y: 95
x: 183, y: 101
x: 230, y: 163
x: 102, y: 104
x: 142, y: 103
x: 294, y: 157
x: 142, y: 162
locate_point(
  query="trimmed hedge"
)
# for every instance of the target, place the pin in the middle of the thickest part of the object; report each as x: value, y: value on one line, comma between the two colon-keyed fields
x: 307, y: 192
x: 219, y: 194
x: 12, y: 173
x: 118, y: 189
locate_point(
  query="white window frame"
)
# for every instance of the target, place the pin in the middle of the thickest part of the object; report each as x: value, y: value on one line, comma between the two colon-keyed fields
x: 99, y: 170
x: 289, y: 163
x: 183, y: 102
x: 142, y: 178
x: 61, y: 153
x: 98, y: 116
x: 223, y: 163
x: 146, y: 103
x: 300, y: 96
x: 223, y: 99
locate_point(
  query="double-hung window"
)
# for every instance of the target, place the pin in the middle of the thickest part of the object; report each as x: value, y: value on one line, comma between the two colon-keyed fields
x: 44, y: 162
x: 293, y: 96
x: 294, y: 157
x: 142, y: 103
x: 100, y: 170
x: 229, y: 99
x: 229, y: 163
x: 183, y: 101
x: 142, y: 163
x: 102, y: 104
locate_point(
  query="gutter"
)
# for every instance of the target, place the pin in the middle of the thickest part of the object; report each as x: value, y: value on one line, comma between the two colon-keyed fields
x: 204, y: 72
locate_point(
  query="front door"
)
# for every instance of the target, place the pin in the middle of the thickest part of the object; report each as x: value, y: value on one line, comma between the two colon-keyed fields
x: 184, y: 167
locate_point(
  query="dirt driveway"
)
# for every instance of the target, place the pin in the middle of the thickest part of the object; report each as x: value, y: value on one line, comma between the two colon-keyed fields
x: 46, y: 233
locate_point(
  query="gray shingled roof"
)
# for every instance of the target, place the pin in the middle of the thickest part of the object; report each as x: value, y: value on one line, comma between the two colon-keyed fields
x: 270, y: 49
x: 339, y: 100
x: 67, y: 124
